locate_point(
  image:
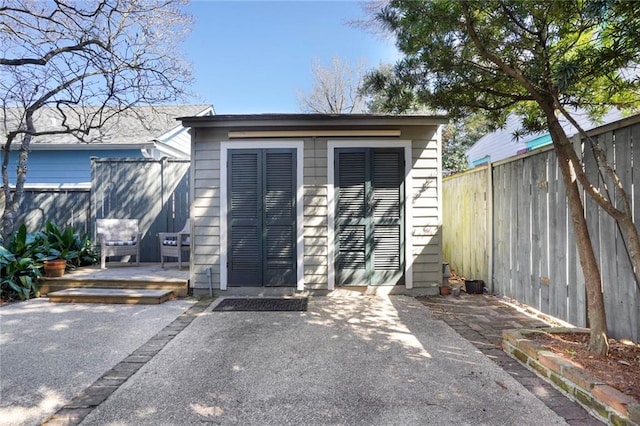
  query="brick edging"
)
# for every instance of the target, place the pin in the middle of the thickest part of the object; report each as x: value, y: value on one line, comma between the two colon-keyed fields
x: 89, y: 399
x: 603, y: 401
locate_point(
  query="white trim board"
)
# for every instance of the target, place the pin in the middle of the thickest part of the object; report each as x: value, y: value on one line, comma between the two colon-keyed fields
x: 408, y: 185
x: 225, y: 146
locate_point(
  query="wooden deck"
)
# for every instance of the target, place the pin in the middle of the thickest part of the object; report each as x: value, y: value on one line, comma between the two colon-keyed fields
x: 147, y: 276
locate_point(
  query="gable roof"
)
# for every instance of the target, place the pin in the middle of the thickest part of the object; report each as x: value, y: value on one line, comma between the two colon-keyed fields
x: 501, y: 144
x: 139, y: 124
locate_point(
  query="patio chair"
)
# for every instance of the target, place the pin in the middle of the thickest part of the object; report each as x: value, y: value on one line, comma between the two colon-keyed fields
x: 118, y: 237
x: 175, y: 244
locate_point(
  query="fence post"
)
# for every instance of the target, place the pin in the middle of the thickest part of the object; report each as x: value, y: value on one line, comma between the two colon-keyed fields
x: 489, y: 241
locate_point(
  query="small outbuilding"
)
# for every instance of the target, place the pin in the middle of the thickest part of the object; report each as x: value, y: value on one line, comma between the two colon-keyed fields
x: 304, y: 202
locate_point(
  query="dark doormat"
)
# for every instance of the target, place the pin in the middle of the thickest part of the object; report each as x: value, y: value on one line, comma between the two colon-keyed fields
x: 262, y: 304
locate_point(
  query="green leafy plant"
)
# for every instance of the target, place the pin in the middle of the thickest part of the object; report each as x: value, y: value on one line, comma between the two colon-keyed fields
x: 66, y: 244
x: 20, y: 266
x: 23, y: 254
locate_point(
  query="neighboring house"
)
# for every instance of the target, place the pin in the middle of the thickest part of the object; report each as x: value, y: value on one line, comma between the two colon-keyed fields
x: 501, y: 144
x: 140, y: 132
x: 316, y: 202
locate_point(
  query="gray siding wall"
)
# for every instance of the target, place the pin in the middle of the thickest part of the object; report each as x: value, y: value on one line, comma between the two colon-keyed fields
x: 315, y: 214
x: 205, y: 209
x: 427, y: 219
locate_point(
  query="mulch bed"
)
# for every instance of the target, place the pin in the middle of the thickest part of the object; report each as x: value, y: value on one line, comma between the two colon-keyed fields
x: 620, y: 369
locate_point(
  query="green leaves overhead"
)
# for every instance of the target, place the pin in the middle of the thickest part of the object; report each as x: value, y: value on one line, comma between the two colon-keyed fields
x: 497, y: 55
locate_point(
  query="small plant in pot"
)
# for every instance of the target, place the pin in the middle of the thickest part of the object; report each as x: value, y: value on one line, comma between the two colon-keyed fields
x: 445, y: 290
x: 77, y: 250
x: 65, y: 249
x: 54, y: 265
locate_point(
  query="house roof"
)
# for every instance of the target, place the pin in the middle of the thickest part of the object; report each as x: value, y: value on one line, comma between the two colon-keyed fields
x: 302, y: 121
x: 138, y: 125
x: 501, y: 144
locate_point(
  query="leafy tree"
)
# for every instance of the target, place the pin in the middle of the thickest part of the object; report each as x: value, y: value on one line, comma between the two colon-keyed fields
x: 336, y: 89
x: 538, y: 59
x: 458, y: 136
x: 89, y: 60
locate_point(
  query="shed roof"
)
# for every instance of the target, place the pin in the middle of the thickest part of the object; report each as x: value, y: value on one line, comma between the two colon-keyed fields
x: 301, y: 121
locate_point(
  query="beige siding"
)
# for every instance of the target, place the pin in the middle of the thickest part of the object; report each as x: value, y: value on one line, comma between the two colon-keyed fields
x: 426, y: 218
x: 205, y: 211
x: 315, y: 214
x: 426, y: 222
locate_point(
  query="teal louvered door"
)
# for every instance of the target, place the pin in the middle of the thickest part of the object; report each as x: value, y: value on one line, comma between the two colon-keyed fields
x: 261, y: 219
x: 369, y: 216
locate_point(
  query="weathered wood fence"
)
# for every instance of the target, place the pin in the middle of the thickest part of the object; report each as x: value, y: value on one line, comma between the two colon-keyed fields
x: 508, y: 225
x: 154, y: 191
x: 66, y: 205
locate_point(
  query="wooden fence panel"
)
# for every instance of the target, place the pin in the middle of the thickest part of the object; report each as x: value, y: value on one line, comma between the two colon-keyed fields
x: 464, y: 208
x: 622, y: 300
x: 62, y: 206
x: 534, y: 257
x: 154, y: 191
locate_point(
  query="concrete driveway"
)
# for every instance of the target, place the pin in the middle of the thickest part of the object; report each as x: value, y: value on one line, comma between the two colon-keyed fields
x: 49, y: 352
x: 347, y: 361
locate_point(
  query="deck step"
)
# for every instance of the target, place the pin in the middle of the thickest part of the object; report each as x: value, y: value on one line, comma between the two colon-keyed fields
x: 111, y: 295
x: 70, y: 281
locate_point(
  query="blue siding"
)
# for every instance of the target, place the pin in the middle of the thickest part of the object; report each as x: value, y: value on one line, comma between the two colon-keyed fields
x: 73, y: 166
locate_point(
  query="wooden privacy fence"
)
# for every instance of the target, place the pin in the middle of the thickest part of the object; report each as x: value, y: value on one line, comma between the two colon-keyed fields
x: 154, y: 191
x: 508, y: 224
x: 64, y: 205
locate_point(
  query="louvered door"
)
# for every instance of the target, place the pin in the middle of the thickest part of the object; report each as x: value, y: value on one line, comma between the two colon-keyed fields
x: 261, y: 218
x: 369, y: 216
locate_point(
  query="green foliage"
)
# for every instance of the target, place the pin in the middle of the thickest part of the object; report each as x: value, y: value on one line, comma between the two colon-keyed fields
x: 458, y: 136
x: 66, y: 244
x: 512, y: 57
x: 23, y: 256
x: 20, y: 266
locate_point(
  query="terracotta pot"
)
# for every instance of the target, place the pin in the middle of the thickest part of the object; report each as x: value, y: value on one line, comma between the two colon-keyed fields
x: 445, y: 291
x: 54, y: 268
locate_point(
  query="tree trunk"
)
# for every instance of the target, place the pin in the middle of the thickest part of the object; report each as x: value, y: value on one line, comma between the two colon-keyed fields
x: 12, y: 201
x: 595, y: 301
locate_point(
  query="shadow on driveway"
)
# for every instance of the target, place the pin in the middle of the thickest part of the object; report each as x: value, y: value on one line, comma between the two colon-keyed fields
x: 347, y: 360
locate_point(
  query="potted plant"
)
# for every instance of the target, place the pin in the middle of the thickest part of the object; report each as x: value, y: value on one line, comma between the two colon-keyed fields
x: 445, y: 290
x: 75, y: 249
x: 54, y: 267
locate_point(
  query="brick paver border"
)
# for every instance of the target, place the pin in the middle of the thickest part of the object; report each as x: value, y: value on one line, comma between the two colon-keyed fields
x: 481, y: 320
x: 86, y: 401
x: 611, y: 405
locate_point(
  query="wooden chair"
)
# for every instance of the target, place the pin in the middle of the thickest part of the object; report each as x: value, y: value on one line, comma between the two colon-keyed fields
x: 174, y: 244
x: 118, y: 237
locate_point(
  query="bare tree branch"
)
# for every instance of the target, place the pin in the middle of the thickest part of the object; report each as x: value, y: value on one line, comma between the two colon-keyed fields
x: 87, y: 61
x: 336, y: 89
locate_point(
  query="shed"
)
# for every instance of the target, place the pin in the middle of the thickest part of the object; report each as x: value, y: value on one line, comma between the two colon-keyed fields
x: 284, y: 203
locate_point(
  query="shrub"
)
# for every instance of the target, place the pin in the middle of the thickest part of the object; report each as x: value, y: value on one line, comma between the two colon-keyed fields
x: 66, y: 244
x: 22, y: 257
x: 20, y: 266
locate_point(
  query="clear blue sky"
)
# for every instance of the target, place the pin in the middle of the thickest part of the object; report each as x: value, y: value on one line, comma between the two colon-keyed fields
x: 254, y: 56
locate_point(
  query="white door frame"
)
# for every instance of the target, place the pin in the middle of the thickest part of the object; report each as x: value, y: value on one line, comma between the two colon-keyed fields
x: 408, y: 212
x: 225, y: 146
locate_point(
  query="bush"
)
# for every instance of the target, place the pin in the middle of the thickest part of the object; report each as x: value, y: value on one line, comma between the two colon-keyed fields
x: 66, y: 244
x: 23, y: 256
x: 20, y: 266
